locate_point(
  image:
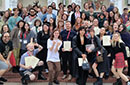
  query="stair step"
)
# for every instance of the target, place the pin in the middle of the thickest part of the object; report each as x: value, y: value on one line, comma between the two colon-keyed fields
x: 15, y: 77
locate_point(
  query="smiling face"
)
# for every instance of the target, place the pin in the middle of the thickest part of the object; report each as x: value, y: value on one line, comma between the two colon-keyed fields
x: 30, y: 47
x: 6, y: 37
x: 21, y: 24
x: 56, y: 34
x: 115, y: 27
x: 82, y: 32
x: 116, y: 37
x: 45, y: 28
x: 26, y: 27
x: 5, y: 28
x: 121, y: 28
x: 68, y: 25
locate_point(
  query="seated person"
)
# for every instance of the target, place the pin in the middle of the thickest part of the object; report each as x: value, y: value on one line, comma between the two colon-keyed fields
x: 26, y: 71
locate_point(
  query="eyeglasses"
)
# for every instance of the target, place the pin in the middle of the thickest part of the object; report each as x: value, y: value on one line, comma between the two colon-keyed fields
x: 6, y: 36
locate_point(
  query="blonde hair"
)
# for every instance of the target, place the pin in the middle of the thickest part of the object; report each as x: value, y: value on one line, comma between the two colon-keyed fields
x: 119, y: 41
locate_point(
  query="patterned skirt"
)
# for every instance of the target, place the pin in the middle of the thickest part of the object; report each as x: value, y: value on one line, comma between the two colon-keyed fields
x: 119, y: 60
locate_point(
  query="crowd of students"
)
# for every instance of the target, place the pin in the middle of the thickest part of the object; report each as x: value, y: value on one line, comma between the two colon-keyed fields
x: 42, y: 31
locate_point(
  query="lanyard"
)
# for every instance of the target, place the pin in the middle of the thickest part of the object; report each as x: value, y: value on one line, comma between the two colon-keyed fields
x: 28, y: 54
x: 68, y: 34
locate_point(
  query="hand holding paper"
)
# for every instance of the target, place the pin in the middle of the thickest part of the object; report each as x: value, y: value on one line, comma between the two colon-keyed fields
x: 106, y: 40
x: 31, y: 61
x: 67, y: 45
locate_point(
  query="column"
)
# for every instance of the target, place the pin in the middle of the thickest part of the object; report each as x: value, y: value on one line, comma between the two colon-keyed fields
x: 119, y: 4
x: 10, y: 4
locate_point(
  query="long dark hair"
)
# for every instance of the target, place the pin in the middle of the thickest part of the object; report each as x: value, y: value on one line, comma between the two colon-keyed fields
x: 52, y: 35
x: 19, y: 22
x: 24, y: 30
x: 2, y: 31
x: 43, y: 32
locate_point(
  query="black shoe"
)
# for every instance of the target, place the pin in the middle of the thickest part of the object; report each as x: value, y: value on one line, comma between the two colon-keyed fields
x: 41, y: 77
x: 98, y: 82
x: 3, y: 79
x: 1, y: 83
x: 95, y: 83
x: 56, y: 82
x: 106, y: 76
x: 24, y: 82
x: 118, y: 82
x: 50, y: 83
x: 15, y: 69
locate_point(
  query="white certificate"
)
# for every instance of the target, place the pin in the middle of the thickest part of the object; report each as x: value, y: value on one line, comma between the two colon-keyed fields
x: 31, y: 61
x: 97, y: 30
x: 106, y: 40
x: 67, y: 45
x: 90, y: 46
x: 80, y: 61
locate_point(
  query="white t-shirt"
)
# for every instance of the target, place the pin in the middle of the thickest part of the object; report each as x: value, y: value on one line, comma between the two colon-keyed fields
x: 52, y: 55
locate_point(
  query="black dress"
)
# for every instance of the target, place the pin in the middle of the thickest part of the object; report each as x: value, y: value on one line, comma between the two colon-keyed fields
x: 78, y: 50
x: 42, y: 40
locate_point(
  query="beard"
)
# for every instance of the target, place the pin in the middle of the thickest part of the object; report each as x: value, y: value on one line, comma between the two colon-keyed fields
x: 32, y: 15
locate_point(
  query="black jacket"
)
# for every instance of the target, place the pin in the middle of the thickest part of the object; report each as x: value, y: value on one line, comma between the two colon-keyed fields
x: 78, y: 50
x: 73, y: 19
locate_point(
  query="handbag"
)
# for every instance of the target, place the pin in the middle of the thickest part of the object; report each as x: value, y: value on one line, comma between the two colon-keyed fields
x: 127, y: 51
x: 85, y: 65
x: 99, y: 57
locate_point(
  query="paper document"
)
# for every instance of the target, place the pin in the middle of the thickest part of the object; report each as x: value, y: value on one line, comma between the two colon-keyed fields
x: 31, y: 61
x: 106, y: 40
x: 80, y: 61
x: 90, y: 46
x: 97, y: 30
x: 67, y: 45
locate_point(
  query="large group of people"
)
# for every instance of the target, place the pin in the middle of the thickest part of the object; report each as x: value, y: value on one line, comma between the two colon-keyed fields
x: 43, y: 31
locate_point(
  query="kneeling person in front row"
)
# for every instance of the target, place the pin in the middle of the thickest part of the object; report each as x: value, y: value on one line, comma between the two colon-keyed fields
x: 5, y: 52
x: 26, y: 71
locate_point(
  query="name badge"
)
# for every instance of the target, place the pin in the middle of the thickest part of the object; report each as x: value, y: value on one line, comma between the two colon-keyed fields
x: 25, y: 41
x: 29, y: 23
x: 20, y: 40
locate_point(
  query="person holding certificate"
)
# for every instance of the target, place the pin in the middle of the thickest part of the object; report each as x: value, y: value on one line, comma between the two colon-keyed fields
x: 79, y: 51
x: 26, y: 70
x: 53, y: 60
x: 66, y: 53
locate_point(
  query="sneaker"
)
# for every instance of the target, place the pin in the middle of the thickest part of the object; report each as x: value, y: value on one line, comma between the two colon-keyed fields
x: 1, y: 83
x: 128, y: 83
x: 90, y: 76
x: 46, y: 70
x: 24, y: 82
x: 64, y: 76
x: 56, y: 82
x: 69, y: 77
x: 3, y: 79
